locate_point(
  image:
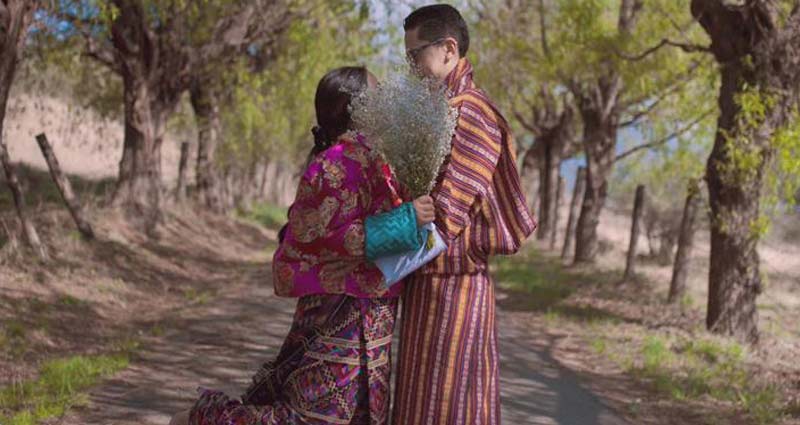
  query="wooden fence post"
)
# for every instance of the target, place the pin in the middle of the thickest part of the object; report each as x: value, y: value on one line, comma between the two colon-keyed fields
x: 64, y: 187
x: 636, y: 226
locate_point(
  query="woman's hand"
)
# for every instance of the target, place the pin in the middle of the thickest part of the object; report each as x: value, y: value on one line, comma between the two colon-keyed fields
x: 424, y: 209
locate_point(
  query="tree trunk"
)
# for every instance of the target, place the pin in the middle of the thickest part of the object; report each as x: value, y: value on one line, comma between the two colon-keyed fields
x: 636, y: 226
x: 15, y: 16
x: 205, y: 102
x: 255, y: 181
x: 599, y: 103
x: 758, y: 49
x: 139, y: 186
x: 666, y: 246
x: 650, y: 232
x: 577, y: 195
x: 556, y: 209
x: 249, y: 185
x: 227, y: 201
x: 29, y: 230
x: 180, y: 188
x: 734, y: 277
x: 529, y: 173
x: 680, y: 270
x: 262, y: 184
x: 287, y: 184
x: 548, y: 189
x: 271, y: 182
x: 64, y: 187
x: 600, y: 137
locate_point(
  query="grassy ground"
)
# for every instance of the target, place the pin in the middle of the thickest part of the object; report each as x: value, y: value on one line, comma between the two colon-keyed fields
x: 68, y: 324
x: 663, y: 348
x: 58, y: 387
x: 39, y: 188
x: 268, y: 215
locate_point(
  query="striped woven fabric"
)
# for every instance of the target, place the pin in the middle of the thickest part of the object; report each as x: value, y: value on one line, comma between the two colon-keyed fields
x: 479, y: 201
x: 448, y: 360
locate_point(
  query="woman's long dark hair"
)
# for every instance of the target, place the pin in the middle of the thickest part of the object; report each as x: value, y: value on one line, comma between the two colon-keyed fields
x: 331, y: 102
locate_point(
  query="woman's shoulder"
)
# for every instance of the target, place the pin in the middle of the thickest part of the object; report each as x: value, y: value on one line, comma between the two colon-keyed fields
x: 350, y: 155
x: 353, y: 149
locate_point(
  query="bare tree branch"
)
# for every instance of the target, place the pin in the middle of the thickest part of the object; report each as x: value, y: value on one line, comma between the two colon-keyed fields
x: 686, y: 47
x: 663, y: 140
x: 673, y: 88
x: 609, y: 98
x: 636, y: 117
x: 670, y: 88
x: 100, y: 53
x: 527, y: 124
x: 543, y: 29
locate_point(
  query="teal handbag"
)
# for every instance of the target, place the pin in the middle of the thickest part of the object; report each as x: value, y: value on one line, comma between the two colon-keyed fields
x: 392, y: 232
x: 396, y: 267
x: 397, y: 246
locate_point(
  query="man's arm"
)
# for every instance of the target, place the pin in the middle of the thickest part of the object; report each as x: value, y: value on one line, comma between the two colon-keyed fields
x: 470, y: 168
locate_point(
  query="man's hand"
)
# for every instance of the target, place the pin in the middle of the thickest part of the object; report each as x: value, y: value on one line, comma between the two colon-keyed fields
x: 425, y: 211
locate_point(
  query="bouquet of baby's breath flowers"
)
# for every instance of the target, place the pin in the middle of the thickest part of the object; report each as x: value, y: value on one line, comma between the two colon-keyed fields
x: 410, y: 122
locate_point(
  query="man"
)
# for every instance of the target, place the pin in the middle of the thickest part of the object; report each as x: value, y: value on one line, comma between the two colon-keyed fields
x: 448, y: 360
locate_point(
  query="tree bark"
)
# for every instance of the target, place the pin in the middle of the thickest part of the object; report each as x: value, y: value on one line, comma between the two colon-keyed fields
x: 157, y: 54
x: 28, y: 228
x: 577, y: 195
x: 559, y: 194
x: 151, y: 88
x: 551, y: 123
x: 758, y: 52
x: 734, y: 277
x: 248, y: 185
x: 636, y: 226
x: 205, y: 102
x: 548, y: 188
x: 600, y: 106
x: 15, y: 17
x: 667, y: 242
x: 680, y: 270
x: 552, y: 146
x: 529, y: 174
x: 271, y: 181
x: 139, y: 185
x: 180, y: 187
x: 262, y: 184
x: 226, y: 193
x: 600, y: 137
x: 65, y: 188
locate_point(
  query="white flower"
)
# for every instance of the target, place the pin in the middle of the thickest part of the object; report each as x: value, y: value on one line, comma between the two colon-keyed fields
x: 410, y: 122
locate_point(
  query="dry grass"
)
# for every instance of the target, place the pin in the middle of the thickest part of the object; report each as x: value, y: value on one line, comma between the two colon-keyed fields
x: 672, y: 368
x: 93, y: 297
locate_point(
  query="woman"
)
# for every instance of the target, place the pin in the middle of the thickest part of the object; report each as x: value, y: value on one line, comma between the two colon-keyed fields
x: 334, y: 366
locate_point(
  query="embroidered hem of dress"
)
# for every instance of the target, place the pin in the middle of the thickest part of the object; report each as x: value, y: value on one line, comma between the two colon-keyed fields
x: 371, y: 364
x: 347, y: 343
x: 322, y: 417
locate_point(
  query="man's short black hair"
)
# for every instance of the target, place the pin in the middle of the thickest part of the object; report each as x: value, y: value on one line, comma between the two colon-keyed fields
x: 439, y: 21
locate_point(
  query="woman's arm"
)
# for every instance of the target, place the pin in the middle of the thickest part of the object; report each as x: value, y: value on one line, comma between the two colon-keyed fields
x: 324, y: 248
x: 397, y: 231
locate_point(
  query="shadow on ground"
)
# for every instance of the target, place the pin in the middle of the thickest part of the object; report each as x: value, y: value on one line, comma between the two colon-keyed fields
x: 532, y: 283
x: 536, y: 390
x: 220, y: 344
x: 217, y: 345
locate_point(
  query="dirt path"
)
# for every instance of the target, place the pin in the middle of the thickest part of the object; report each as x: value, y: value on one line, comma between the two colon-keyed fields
x: 218, y: 344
